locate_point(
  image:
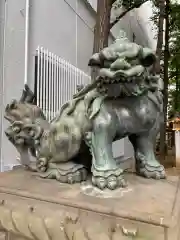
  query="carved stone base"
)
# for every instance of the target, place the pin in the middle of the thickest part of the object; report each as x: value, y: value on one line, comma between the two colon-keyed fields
x: 42, y: 209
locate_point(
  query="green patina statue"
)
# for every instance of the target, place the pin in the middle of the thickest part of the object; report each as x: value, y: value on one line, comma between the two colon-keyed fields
x: 124, y: 100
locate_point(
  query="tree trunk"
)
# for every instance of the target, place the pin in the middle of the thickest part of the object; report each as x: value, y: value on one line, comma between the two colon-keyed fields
x: 102, y: 27
x: 166, y: 82
x: 160, y: 35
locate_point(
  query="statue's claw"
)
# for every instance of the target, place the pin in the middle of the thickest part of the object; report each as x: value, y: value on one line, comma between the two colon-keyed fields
x: 111, y: 179
x: 148, y: 170
x: 42, y: 164
x: 112, y: 182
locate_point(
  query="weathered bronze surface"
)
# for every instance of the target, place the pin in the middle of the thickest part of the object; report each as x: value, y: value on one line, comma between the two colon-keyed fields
x: 125, y: 100
x: 38, y: 209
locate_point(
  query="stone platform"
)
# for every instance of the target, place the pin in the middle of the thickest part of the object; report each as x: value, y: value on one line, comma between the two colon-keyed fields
x: 37, y: 209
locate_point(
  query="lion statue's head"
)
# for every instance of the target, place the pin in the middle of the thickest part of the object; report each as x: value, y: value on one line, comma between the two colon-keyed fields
x: 125, y: 69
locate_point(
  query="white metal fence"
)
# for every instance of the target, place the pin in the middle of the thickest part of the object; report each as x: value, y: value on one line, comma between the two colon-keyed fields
x: 56, y: 81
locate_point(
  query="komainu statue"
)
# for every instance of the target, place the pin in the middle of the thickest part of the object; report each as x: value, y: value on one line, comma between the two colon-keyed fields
x: 125, y: 100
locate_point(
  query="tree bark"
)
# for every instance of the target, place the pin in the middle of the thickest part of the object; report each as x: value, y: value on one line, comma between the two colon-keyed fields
x: 102, y: 28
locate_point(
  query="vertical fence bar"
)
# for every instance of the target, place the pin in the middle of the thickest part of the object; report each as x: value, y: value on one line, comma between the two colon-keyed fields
x: 41, y: 78
x: 49, y: 88
x: 38, y: 75
x: 63, y: 80
x: 58, y: 87
x: 54, y: 83
x: 52, y: 86
x: 47, y: 80
x: 44, y: 79
x: 55, y: 87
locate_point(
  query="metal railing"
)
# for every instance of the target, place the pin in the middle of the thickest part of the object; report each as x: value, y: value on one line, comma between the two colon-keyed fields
x: 56, y: 80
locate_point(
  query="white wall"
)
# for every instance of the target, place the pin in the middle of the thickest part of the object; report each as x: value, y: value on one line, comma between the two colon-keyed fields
x: 2, y: 27
x: 68, y: 32
x: 13, y: 66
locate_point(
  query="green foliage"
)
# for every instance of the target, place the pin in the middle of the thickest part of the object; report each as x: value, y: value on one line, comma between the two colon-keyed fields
x: 174, y: 63
x: 174, y: 51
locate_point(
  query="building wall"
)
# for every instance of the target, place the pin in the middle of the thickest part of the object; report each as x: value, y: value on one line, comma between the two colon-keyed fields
x: 2, y: 27
x: 13, y: 66
x: 68, y: 32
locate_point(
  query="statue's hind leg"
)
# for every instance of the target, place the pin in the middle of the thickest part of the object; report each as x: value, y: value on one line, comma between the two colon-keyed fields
x: 146, y: 162
x: 106, y: 173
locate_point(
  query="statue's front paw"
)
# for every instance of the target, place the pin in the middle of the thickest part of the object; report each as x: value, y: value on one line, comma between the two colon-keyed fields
x: 111, y: 179
x: 112, y: 182
x: 42, y: 164
x: 79, y: 175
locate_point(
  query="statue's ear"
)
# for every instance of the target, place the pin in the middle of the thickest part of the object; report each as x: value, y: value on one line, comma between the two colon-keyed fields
x: 7, y: 108
x: 30, y: 97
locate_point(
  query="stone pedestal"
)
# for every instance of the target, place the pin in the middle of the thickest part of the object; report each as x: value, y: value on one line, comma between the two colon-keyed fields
x: 38, y: 209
